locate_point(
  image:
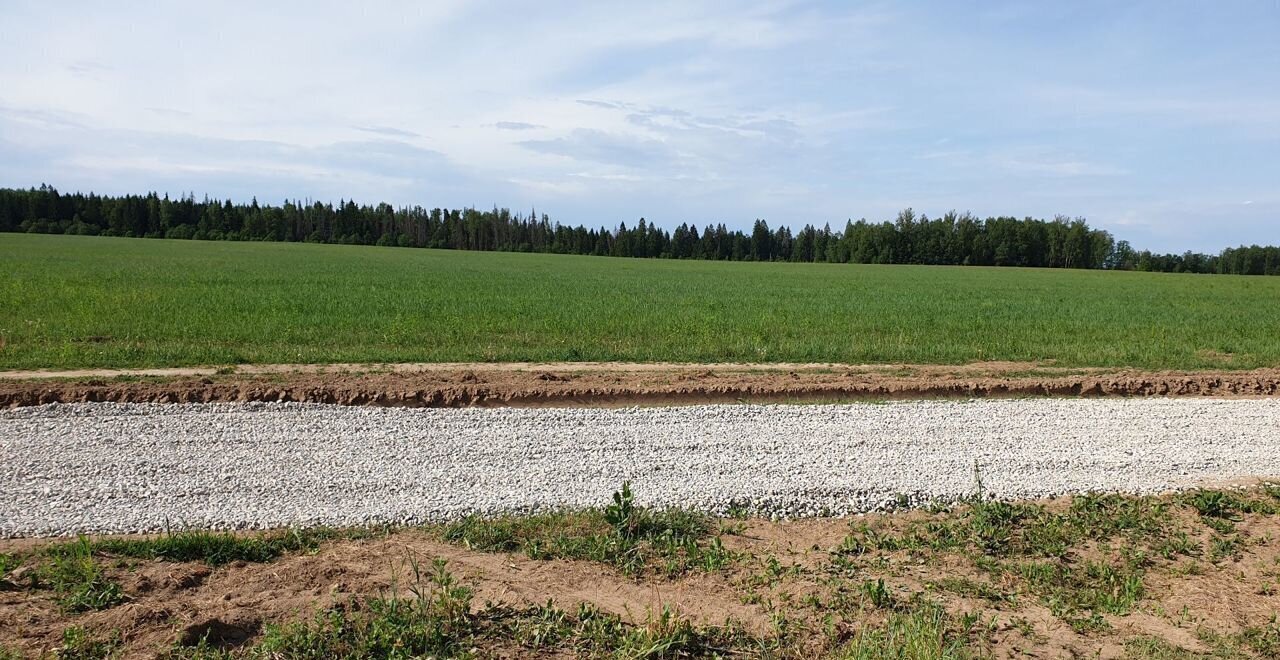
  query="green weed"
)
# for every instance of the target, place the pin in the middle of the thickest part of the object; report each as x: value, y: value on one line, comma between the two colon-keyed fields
x: 8, y: 562
x: 213, y: 548
x: 1178, y: 543
x: 1096, y: 587
x: 630, y: 537
x: 1228, y: 504
x: 77, y: 580
x: 435, y: 621
x: 1221, y: 548
x: 1008, y: 529
x: 972, y: 588
x: 1272, y: 490
x: 1263, y: 640
x: 1145, y: 647
x: 877, y: 593
x: 79, y: 644
x: 924, y: 632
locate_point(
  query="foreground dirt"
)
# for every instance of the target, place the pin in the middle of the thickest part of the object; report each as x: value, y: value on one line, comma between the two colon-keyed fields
x: 612, y: 384
x: 790, y: 578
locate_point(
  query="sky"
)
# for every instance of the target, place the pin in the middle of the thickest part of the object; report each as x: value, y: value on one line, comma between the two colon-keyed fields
x: 1157, y: 121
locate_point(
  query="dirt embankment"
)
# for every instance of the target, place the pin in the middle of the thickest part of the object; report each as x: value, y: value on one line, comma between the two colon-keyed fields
x: 579, y: 384
x: 801, y: 572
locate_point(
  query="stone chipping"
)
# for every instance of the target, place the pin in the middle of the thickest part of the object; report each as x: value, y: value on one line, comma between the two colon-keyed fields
x: 122, y: 468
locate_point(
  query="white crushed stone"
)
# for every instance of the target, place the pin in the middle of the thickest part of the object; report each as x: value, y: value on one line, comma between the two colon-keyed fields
x: 105, y: 468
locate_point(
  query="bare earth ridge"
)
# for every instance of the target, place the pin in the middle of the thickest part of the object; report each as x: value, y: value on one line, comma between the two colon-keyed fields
x: 610, y: 384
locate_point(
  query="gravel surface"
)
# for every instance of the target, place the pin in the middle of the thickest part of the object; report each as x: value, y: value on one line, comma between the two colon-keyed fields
x: 67, y: 469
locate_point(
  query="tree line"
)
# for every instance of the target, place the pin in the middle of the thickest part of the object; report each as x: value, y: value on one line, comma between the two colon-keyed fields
x: 952, y: 239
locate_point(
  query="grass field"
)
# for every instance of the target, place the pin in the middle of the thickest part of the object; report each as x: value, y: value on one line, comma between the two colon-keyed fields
x: 71, y: 301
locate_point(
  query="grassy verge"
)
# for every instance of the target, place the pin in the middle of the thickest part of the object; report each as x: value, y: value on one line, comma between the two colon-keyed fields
x: 980, y: 578
x: 78, y: 302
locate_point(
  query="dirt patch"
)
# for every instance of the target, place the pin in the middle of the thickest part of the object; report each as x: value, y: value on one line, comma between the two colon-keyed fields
x: 785, y: 572
x: 611, y: 384
x: 171, y: 603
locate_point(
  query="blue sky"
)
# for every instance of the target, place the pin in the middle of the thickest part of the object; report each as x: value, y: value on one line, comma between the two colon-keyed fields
x: 1159, y: 121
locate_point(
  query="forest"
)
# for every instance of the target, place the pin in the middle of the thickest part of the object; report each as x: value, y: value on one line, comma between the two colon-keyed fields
x: 952, y: 239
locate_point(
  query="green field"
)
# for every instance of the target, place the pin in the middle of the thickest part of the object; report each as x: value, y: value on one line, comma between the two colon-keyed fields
x: 72, y: 301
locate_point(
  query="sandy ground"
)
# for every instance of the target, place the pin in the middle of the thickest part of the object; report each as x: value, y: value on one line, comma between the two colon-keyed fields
x: 172, y: 602
x: 611, y: 384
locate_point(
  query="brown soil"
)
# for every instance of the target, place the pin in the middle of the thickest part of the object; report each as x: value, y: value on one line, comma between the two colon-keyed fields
x: 172, y: 602
x: 613, y: 384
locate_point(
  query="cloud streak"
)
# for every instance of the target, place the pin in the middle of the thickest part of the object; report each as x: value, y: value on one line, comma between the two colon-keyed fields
x: 516, y: 126
x: 388, y: 131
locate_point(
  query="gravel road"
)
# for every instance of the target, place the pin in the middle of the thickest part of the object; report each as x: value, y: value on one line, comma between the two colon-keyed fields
x: 100, y: 468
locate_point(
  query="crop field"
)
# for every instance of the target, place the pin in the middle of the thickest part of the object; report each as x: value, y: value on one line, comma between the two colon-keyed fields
x: 81, y: 302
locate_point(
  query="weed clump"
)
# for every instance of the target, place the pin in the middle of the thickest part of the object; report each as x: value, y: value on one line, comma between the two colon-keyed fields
x: 439, y: 620
x: 80, y: 644
x: 628, y: 536
x: 435, y: 621
x: 920, y: 632
x: 77, y: 579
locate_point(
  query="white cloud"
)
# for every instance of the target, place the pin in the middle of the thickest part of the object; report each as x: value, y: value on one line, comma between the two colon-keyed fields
x: 686, y: 110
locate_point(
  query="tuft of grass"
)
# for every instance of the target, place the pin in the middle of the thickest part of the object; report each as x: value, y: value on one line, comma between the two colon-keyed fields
x: 665, y: 636
x: 628, y: 536
x: 1033, y: 549
x: 877, y: 593
x: 589, y: 632
x: 923, y: 632
x: 77, y: 579
x: 1222, y: 548
x: 974, y: 589
x: 1146, y: 647
x: 1228, y: 504
x: 8, y: 562
x: 1093, y: 586
x: 1019, y: 529
x: 80, y: 644
x: 1219, y: 525
x: 1178, y: 543
x: 1254, y: 641
x: 436, y: 622
x: 1210, y: 503
x: 213, y: 548
x: 1272, y: 490
x: 202, y: 650
x: 1263, y: 640
x: 72, y: 571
